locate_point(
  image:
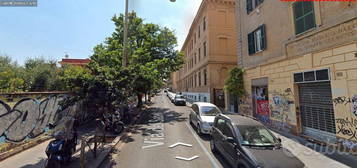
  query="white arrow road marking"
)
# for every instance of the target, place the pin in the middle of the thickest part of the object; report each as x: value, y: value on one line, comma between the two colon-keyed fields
x: 186, y: 159
x: 180, y: 143
x: 152, y: 142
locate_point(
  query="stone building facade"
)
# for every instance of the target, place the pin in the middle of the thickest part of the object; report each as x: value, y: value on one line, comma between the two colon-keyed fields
x: 300, y: 60
x: 210, y: 53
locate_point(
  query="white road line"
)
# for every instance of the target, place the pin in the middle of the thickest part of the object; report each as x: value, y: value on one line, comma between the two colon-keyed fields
x: 180, y: 143
x: 187, y: 159
x: 213, y: 162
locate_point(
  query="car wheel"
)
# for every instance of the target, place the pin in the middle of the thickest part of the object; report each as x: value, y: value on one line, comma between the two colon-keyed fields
x: 213, y: 146
x: 199, y: 132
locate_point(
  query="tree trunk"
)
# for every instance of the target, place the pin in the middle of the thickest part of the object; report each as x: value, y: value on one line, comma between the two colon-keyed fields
x: 149, y: 96
x: 140, y: 100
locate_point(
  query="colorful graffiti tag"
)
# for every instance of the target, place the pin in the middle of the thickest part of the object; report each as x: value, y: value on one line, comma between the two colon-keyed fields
x: 29, y: 117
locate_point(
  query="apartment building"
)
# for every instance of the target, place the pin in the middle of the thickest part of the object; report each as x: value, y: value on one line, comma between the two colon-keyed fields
x: 301, y: 66
x: 210, y: 52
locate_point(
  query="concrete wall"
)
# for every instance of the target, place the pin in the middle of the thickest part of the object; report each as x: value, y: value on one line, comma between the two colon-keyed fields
x: 30, y: 117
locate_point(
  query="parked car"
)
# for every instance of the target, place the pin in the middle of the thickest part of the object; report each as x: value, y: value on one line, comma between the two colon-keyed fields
x: 180, y: 100
x: 171, y: 96
x: 202, y: 116
x: 244, y: 142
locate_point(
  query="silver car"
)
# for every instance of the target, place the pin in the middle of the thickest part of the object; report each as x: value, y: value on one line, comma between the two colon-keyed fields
x: 202, y: 116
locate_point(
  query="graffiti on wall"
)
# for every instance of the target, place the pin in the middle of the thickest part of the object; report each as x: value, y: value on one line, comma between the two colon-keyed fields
x: 29, y: 117
x: 354, y: 105
x: 281, y: 106
x: 347, y: 101
x: 347, y: 127
x: 245, y: 105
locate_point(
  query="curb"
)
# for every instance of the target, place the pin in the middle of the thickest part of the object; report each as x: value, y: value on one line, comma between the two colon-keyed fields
x: 117, y: 141
x: 23, y: 147
x: 105, y: 154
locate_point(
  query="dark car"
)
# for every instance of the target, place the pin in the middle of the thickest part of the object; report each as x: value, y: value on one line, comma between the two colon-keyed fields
x: 245, y: 143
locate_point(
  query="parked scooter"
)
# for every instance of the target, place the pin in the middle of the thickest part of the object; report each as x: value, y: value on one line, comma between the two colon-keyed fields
x: 60, y: 150
x: 113, y: 122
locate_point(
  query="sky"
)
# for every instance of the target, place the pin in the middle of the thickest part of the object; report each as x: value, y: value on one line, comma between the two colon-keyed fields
x: 57, y: 27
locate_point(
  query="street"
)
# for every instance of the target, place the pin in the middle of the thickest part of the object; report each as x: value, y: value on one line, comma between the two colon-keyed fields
x: 166, y: 124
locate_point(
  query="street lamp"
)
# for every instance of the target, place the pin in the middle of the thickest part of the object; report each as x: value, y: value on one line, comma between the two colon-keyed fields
x: 125, y: 49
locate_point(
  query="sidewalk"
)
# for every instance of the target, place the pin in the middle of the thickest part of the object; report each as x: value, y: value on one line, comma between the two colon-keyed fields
x: 104, y: 149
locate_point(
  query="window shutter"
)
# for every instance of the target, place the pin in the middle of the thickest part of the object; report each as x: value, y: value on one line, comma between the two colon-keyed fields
x: 251, y: 43
x: 249, y: 6
x: 263, y: 40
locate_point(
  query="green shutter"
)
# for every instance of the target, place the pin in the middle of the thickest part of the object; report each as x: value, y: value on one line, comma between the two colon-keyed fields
x: 251, y: 43
x: 304, y: 16
x: 249, y: 6
x: 263, y: 40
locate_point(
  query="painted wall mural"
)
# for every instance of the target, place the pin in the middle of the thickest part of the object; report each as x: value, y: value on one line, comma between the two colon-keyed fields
x: 29, y: 117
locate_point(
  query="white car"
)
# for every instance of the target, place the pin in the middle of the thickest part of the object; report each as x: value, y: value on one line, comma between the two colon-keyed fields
x: 179, y: 100
x: 202, y: 116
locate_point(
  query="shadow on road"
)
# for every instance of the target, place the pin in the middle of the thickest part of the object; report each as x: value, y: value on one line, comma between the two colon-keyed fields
x: 39, y: 164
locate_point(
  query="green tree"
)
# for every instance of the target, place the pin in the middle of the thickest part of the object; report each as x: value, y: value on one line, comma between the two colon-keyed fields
x: 152, y: 58
x: 235, y: 83
x: 10, y: 75
x: 40, y: 75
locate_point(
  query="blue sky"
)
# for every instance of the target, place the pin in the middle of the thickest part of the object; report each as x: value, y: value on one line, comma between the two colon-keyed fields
x: 57, y: 27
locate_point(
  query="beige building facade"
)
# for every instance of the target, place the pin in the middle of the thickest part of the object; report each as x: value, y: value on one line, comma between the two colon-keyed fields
x: 210, y: 52
x: 300, y: 60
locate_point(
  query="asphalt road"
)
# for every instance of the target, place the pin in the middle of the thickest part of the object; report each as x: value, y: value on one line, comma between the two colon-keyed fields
x: 162, y: 126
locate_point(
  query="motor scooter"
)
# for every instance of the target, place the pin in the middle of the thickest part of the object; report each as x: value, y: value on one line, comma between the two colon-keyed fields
x: 60, y: 150
x: 113, y: 122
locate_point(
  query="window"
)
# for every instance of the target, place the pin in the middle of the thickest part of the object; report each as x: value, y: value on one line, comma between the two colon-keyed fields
x: 220, y: 124
x: 199, y: 53
x: 227, y: 131
x: 312, y: 76
x: 204, y: 23
x: 205, y: 77
x: 199, y: 31
x: 199, y: 78
x: 195, y: 38
x: 257, y: 40
x: 209, y: 111
x: 253, y: 135
x: 252, y: 4
x: 195, y: 108
x: 204, y: 49
x: 195, y: 58
x: 249, y: 6
x: 194, y: 81
x: 304, y: 16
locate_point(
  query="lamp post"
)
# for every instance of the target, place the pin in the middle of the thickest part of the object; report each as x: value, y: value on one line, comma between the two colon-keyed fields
x: 125, y: 49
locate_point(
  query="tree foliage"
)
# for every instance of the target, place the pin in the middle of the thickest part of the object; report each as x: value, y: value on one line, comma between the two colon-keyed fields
x: 235, y: 84
x: 152, y: 57
x: 37, y: 74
